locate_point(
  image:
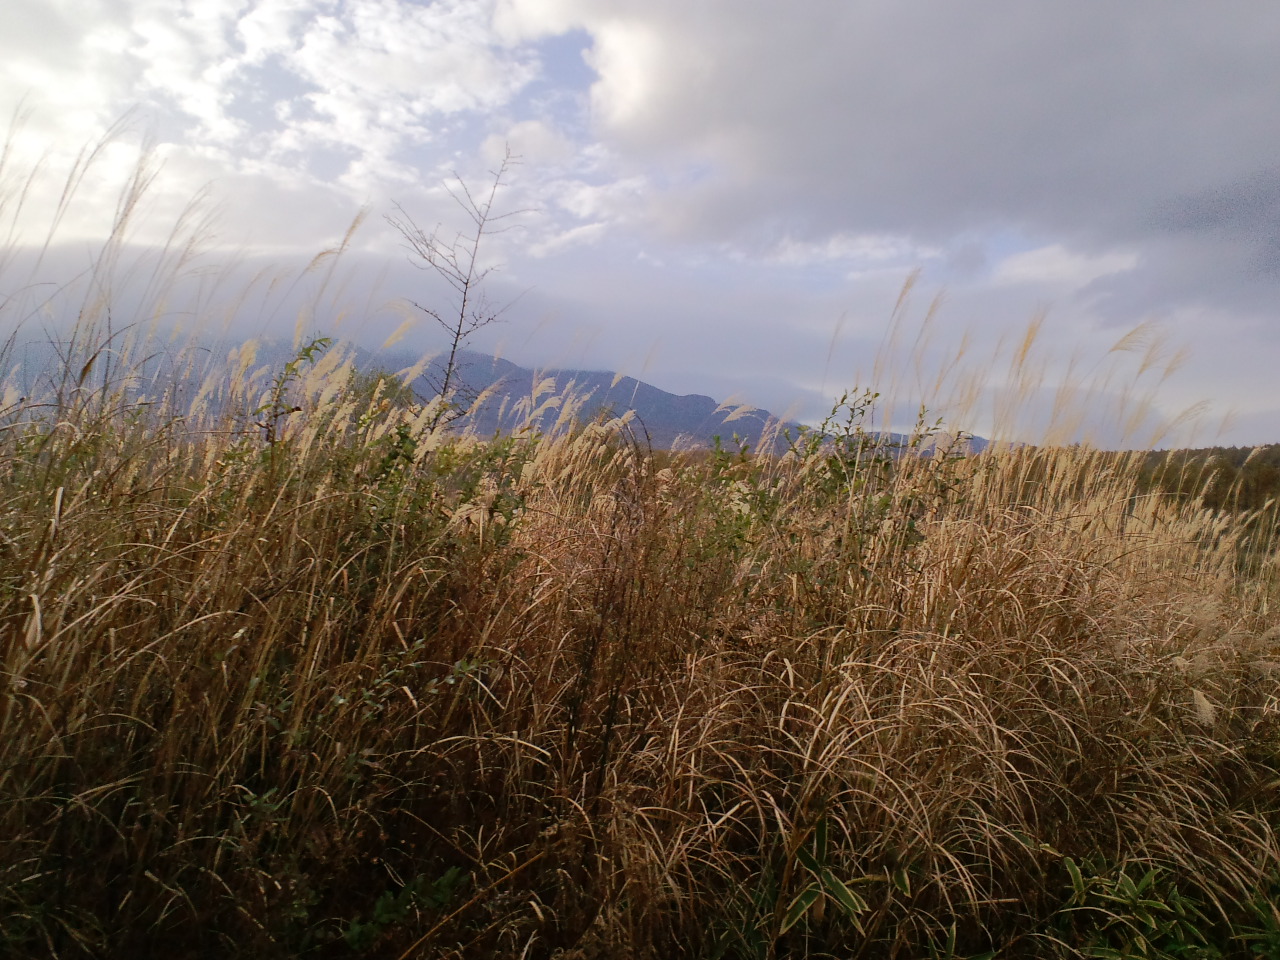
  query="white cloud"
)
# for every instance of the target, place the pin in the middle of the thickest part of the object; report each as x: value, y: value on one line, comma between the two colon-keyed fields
x: 187, y: 58
x: 535, y: 142
x: 857, y: 249
x: 270, y: 26
x: 1056, y: 266
x: 439, y: 58
x: 521, y: 20
x: 587, y: 233
x: 612, y: 200
x: 371, y: 77
x: 632, y: 58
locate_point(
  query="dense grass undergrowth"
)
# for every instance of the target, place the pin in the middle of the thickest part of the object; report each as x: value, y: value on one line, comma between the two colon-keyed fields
x: 286, y: 672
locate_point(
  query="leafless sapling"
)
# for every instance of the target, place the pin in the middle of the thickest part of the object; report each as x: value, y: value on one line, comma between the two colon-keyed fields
x: 457, y: 262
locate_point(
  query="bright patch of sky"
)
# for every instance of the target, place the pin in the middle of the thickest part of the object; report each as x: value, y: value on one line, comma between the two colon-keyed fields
x: 1056, y: 266
x: 730, y: 193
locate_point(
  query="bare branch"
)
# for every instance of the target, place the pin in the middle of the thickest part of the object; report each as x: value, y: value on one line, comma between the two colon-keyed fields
x: 457, y: 263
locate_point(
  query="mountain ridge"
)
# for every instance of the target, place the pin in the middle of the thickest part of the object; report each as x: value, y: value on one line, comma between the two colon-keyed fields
x: 666, y: 419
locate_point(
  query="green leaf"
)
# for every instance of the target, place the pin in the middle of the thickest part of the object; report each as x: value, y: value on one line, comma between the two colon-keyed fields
x: 808, y: 861
x: 849, y: 902
x: 1147, y: 880
x: 820, y: 841
x: 1023, y: 839
x: 1077, y: 881
x: 902, y: 881
x: 1126, y: 886
x: 800, y: 906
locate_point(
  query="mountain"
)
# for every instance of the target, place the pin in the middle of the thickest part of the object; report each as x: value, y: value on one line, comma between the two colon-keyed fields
x: 665, y: 420
x: 506, y: 390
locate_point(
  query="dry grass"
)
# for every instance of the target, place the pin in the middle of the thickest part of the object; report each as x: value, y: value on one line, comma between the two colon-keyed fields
x: 321, y: 681
x: 570, y: 698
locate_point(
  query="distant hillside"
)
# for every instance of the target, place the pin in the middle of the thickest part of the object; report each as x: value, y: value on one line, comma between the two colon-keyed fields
x: 690, y: 421
x: 1226, y: 478
x: 665, y: 419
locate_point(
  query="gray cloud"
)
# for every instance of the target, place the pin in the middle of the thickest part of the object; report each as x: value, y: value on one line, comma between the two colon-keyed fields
x: 1068, y: 119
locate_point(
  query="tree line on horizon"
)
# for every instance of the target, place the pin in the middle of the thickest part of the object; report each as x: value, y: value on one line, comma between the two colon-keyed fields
x: 1244, y: 479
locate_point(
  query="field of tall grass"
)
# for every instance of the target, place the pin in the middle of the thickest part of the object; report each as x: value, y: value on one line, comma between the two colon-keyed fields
x: 289, y: 670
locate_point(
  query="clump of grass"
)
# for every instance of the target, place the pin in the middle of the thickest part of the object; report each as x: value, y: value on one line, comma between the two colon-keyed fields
x: 293, y: 672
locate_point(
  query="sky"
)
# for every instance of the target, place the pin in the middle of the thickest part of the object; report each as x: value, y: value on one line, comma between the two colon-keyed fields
x: 724, y: 197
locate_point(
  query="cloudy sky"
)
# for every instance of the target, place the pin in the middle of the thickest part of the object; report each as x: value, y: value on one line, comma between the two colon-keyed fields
x: 723, y: 196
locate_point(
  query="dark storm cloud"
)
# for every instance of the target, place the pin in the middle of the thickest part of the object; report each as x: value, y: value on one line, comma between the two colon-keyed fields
x: 1245, y: 212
